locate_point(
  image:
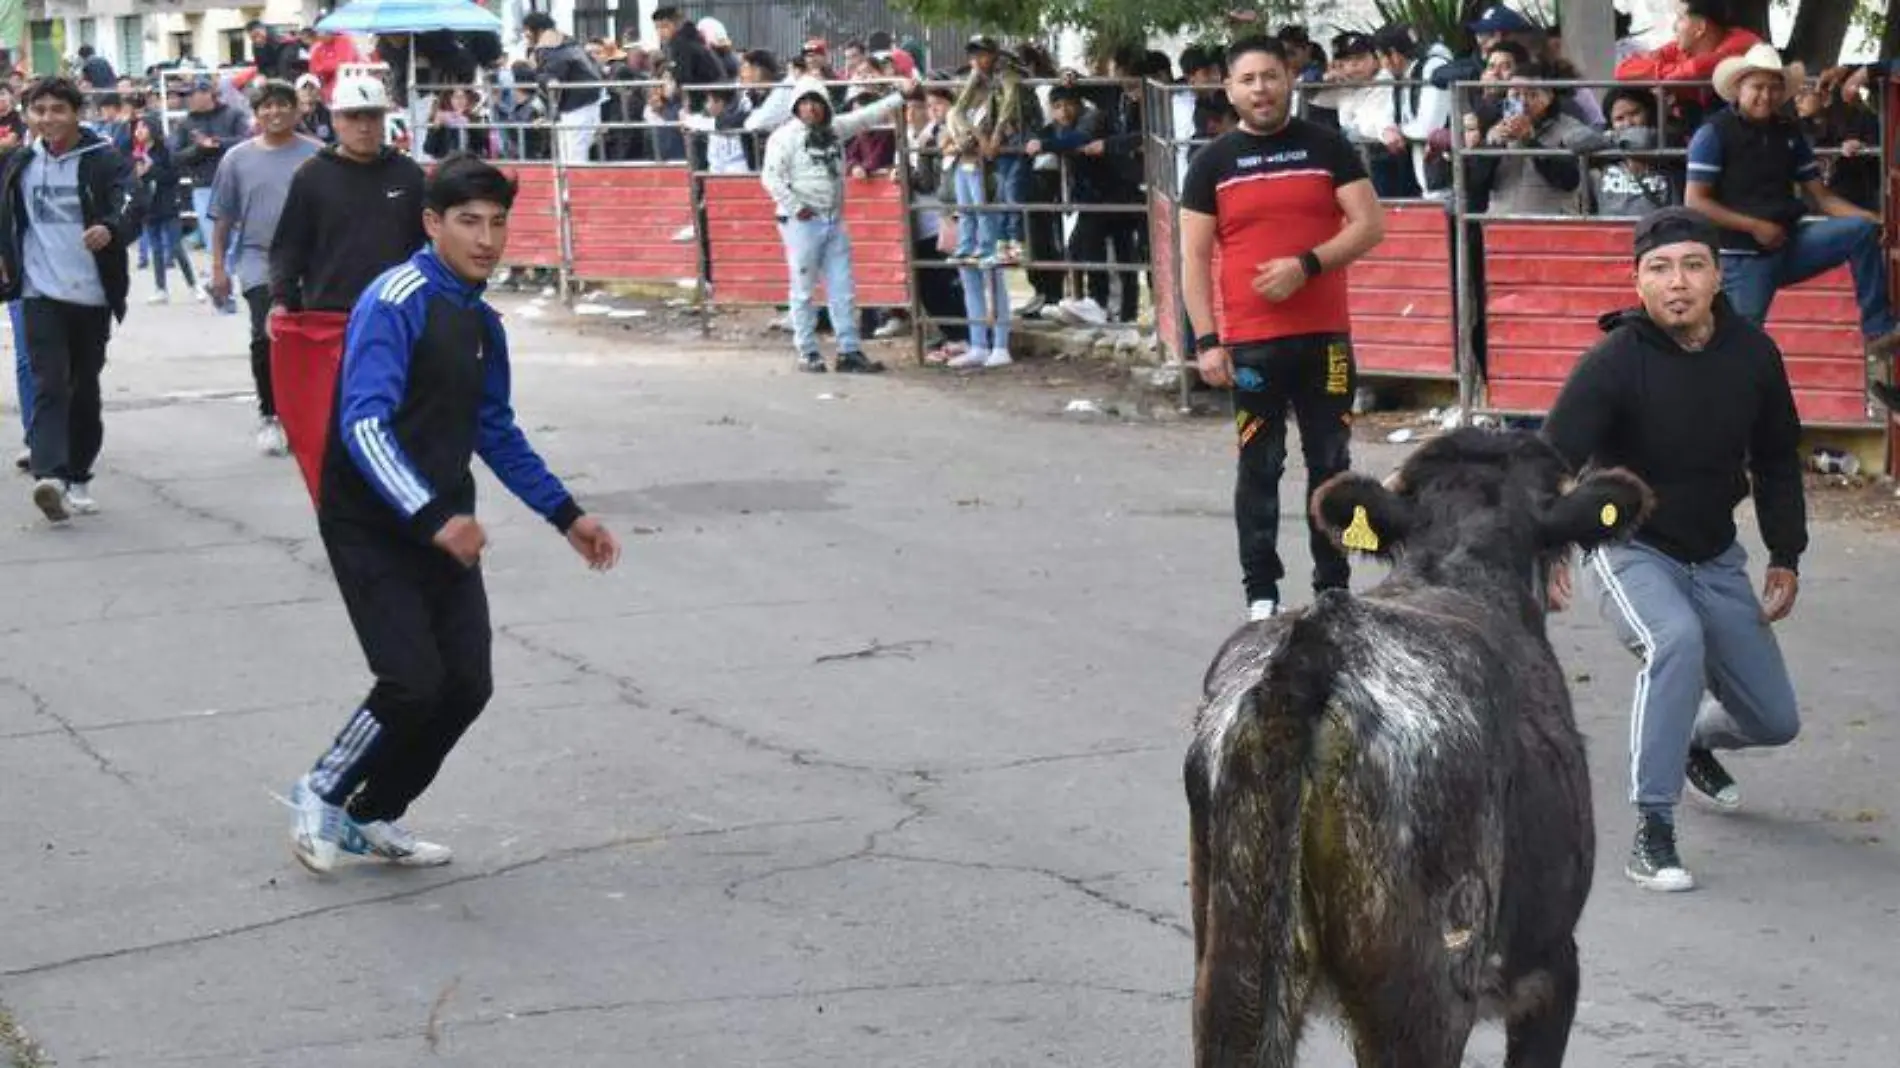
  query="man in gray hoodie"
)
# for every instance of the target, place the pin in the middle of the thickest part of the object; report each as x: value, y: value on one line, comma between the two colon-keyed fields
x: 69, y: 208
x: 208, y: 130
x: 804, y: 173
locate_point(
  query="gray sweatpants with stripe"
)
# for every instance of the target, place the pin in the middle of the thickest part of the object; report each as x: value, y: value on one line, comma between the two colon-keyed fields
x: 1697, y: 627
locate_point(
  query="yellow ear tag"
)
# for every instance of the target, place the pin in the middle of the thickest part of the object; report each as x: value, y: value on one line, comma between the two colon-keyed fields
x: 1608, y: 515
x: 1359, y: 535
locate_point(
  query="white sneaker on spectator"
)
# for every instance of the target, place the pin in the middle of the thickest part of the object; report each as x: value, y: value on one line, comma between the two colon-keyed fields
x: 970, y: 360
x: 1087, y: 312
x: 1259, y: 611
x: 998, y: 358
x: 895, y: 326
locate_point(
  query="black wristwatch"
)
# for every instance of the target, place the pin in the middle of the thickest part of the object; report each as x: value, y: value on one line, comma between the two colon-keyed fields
x: 1206, y: 341
x: 1309, y: 262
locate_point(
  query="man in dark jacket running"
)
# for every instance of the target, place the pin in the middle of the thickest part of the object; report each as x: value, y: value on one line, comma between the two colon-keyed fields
x: 70, y: 206
x: 1694, y: 398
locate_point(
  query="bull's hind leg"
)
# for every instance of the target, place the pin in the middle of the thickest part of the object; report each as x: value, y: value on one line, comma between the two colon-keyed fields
x: 1543, y: 1004
x: 1412, y: 1017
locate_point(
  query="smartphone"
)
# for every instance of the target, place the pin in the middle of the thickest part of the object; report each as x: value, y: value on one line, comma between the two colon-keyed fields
x: 1513, y: 107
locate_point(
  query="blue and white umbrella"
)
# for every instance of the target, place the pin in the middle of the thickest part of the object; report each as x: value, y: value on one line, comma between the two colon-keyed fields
x: 409, y: 16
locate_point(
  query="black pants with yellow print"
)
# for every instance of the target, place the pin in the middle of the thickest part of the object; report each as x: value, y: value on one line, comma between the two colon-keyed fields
x: 1315, y: 376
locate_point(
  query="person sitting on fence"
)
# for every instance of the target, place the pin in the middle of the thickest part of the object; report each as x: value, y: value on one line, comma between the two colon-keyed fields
x: 804, y: 173
x: 972, y: 128
x: 1018, y: 112
x: 1634, y: 187
x: 1706, y: 35
x: 1743, y: 167
x: 1531, y: 185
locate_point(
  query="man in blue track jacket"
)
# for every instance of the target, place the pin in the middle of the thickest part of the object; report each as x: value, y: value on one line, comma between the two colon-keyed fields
x: 423, y: 389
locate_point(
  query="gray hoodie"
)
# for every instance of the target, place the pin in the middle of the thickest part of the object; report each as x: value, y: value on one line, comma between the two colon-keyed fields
x: 57, y: 263
x: 804, y: 165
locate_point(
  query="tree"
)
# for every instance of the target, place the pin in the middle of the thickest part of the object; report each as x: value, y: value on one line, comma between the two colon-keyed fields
x: 1118, y: 20
x: 1820, y: 28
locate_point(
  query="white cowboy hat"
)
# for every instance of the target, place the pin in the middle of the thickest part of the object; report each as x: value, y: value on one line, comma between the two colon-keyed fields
x: 1762, y: 57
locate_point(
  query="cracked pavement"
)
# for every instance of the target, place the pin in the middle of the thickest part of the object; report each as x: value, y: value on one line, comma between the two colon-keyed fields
x: 869, y: 753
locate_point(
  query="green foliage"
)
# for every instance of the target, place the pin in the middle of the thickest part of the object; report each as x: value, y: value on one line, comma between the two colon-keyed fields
x: 1440, y: 21
x: 1118, y: 21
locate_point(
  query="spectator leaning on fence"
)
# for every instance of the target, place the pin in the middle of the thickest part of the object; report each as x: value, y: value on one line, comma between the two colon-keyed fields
x: 1634, y: 187
x: 804, y: 173
x: 972, y: 128
x: 1365, y: 112
x: 1533, y: 185
x: 1494, y: 25
x: 559, y: 59
x: 1418, y: 110
x: 1743, y: 167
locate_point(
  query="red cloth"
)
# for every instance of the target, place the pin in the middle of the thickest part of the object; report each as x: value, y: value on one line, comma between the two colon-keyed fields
x: 903, y: 63
x: 305, y: 354
x: 328, y: 55
x: 1670, y: 63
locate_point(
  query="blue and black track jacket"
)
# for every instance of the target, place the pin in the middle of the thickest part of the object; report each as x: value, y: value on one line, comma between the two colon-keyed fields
x: 423, y: 389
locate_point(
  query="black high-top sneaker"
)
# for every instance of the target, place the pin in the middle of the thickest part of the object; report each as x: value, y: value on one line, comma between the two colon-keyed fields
x: 1653, y: 862
x: 1712, y: 781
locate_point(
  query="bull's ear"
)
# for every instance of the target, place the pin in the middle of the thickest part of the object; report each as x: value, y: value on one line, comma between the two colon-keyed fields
x: 1361, y: 515
x: 1607, y: 506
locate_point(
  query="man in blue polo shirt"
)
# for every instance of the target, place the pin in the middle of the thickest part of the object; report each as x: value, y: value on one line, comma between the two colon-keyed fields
x: 1744, y: 164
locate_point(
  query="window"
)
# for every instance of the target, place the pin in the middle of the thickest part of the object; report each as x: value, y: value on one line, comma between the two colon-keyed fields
x: 131, y: 45
x: 181, y: 44
x: 237, y: 48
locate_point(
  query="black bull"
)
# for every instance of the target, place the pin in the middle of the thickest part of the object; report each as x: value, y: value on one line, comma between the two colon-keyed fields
x: 1388, y: 795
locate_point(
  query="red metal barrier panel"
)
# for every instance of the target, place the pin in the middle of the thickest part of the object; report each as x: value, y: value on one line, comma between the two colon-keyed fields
x: 1403, y: 316
x: 748, y: 259
x: 534, y: 233
x: 1546, y: 283
x: 624, y: 222
x: 1404, y: 320
x: 1163, y: 241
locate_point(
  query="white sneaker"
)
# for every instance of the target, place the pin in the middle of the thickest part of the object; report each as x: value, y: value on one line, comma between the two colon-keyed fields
x: 998, y: 358
x: 79, y: 498
x: 1262, y: 610
x: 49, y: 495
x: 895, y: 326
x: 972, y: 359
x: 316, y: 831
x: 1087, y: 312
x: 160, y: 297
x: 270, y: 437
x: 393, y: 842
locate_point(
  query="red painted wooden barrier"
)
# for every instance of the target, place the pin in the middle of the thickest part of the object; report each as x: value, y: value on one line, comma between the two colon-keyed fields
x: 748, y: 259
x: 623, y: 222
x: 1547, y: 283
x: 1403, y: 316
x: 534, y: 227
x: 1163, y: 243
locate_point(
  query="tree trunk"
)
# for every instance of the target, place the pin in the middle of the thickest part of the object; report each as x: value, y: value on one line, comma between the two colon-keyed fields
x: 1820, y: 28
x: 1753, y: 15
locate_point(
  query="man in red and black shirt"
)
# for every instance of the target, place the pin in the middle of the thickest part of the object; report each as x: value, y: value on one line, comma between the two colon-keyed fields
x: 1285, y: 205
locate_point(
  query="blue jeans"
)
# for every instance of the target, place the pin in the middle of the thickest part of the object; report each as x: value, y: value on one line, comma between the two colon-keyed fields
x: 22, y: 369
x: 165, y: 238
x: 818, y: 249
x: 1812, y: 248
x: 201, y: 207
x: 1012, y: 187
x: 986, y: 293
x: 976, y: 231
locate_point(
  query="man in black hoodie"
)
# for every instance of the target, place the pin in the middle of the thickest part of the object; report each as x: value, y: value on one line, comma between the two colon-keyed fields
x: 354, y: 210
x: 209, y: 129
x: 1694, y: 398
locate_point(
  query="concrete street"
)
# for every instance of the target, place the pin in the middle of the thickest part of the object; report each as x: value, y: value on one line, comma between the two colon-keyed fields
x: 868, y: 755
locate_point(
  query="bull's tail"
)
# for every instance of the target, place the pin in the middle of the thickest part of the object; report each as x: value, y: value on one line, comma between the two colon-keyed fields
x: 1250, y: 993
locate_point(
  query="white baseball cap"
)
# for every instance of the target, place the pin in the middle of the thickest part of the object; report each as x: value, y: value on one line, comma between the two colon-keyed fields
x: 360, y: 94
